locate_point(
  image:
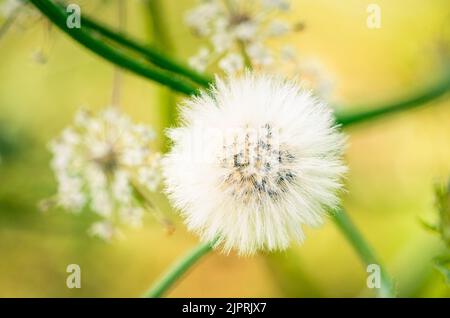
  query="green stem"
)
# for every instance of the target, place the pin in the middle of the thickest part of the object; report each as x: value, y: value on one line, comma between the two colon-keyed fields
x: 175, y: 273
x: 350, y: 118
x: 55, y: 14
x: 151, y: 53
x: 160, y: 28
x: 365, y: 252
x: 247, y: 59
x: 161, y: 39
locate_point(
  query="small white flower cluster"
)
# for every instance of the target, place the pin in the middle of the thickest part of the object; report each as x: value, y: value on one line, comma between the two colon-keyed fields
x: 105, y: 162
x: 239, y: 33
x: 237, y: 29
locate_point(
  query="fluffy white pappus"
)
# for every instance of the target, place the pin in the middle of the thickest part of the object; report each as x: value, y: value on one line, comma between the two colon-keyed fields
x: 256, y: 158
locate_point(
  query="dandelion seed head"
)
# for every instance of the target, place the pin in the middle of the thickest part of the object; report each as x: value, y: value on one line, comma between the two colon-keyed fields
x: 256, y: 159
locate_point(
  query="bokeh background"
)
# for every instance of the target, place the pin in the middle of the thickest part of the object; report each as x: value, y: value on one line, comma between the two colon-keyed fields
x: 45, y: 77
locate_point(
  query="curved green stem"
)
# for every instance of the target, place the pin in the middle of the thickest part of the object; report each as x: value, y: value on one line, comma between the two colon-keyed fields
x: 350, y: 118
x: 150, y: 53
x: 175, y: 273
x: 364, y: 251
x: 55, y: 14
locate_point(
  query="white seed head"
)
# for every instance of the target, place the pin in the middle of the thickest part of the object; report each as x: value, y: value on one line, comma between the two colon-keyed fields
x: 256, y: 158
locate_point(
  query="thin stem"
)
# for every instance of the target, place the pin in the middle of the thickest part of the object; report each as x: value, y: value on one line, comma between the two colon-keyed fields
x: 247, y: 60
x: 159, y: 27
x: 350, y: 118
x: 55, y: 14
x: 177, y: 271
x: 116, y: 92
x: 160, y: 38
x: 241, y: 45
x: 118, y: 76
x: 365, y: 252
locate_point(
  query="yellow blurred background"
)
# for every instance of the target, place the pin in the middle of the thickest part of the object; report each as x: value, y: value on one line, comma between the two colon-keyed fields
x: 393, y: 161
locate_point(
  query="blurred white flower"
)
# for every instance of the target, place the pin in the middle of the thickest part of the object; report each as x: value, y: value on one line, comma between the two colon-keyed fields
x: 39, y: 56
x: 309, y: 71
x: 221, y: 42
x: 104, y: 230
x: 279, y: 4
x: 245, y: 28
x: 20, y: 12
x: 315, y: 76
x: 257, y: 158
x: 232, y: 26
x: 231, y: 63
x: 200, y: 61
x: 279, y: 28
x: 7, y: 7
x: 101, y: 162
x: 203, y: 16
x: 259, y: 54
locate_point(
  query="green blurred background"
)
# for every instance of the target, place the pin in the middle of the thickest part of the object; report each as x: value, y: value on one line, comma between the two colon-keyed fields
x: 393, y: 162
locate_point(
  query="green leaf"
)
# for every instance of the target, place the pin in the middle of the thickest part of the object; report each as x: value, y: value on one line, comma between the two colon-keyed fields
x: 442, y: 264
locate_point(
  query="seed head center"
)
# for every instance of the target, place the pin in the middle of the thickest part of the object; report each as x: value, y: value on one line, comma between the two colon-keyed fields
x: 256, y: 163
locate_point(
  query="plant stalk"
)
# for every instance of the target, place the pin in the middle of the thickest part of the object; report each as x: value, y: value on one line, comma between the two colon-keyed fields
x: 364, y: 251
x: 350, y: 118
x: 177, y: 271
